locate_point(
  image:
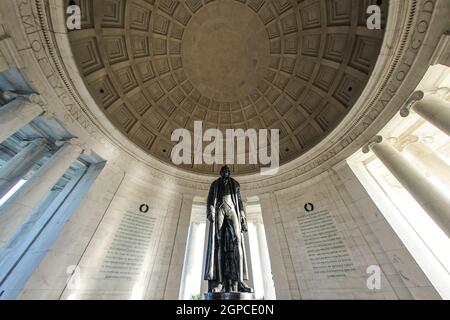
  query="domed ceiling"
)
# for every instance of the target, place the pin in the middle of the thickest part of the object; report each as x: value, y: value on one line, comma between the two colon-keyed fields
x: 156, y: 66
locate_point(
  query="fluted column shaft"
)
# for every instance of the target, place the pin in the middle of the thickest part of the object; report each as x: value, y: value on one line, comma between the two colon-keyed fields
x: 269, y: 290
x: 15, y: 212
x: 16, y: 115
x: 435, y: 110
x: 16, y: 168
x: 189, y: 261
x: 434, y: 201
x: 175, y: 270
x: 204, y: 284
x: 429, y: 160
x: 270, y: 215
x: 250, y: 262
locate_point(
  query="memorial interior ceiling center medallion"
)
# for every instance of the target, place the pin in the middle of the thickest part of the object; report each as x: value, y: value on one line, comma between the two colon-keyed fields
x: 225, y: 51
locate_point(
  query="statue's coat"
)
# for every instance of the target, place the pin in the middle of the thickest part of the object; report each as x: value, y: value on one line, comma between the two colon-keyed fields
x: 213, y: 264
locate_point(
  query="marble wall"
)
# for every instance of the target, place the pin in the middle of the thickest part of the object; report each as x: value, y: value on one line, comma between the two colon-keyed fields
x: 326, y: 252
x: 50, y: 279
x: 114, y: 250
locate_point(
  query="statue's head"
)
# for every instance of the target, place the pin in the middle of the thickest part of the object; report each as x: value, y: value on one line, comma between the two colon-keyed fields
x: 225, y: 172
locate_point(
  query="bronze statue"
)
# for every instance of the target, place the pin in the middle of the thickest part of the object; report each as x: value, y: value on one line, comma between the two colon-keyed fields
x: 226, y: 263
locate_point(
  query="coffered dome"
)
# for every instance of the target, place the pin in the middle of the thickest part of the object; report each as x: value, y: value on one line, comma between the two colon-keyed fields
x: 156, y: 66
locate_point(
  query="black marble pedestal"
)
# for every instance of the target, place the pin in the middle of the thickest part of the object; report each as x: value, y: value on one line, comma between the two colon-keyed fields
x: 229, y: 296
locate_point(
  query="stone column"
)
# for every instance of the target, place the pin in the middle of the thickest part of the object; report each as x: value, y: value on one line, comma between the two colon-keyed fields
x: 175, y: 270
x: 427, y: 158
x: 189, y: 259
x: 19, y: 165
x: 250, y: 262
x: 9, y: 56
x: 16, y: 114
x: 204, y: 284
x: 17, y: 209
x: 434, y: 201
x: 269, y: 290
x: 432, y: 108
x: 280, y: 275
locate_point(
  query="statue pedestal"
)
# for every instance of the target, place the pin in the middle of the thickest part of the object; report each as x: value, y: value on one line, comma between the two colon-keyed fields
x: 229, y: 296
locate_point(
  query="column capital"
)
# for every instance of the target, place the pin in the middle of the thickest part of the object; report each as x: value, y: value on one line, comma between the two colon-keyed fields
x: 416, y: 96
x: 42, y: 141
x: 265, y: 196
x: 77, y: 142
x: 442, y: 92
x: 367, y: 147
x: 31, y: 97
x: 188, y: 196
x: 405, y: 141
x: 255, y: 218
x: 37, y: 99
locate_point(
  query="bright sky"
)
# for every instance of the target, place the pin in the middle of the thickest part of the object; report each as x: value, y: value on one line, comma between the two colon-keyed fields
x: 12, y: 191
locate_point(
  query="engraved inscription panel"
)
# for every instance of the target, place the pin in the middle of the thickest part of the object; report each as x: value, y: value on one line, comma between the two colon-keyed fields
x: 128, y: 249
x: 325, y: 247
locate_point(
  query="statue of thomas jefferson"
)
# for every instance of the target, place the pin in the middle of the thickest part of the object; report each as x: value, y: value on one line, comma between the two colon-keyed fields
x: 226, y: 264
